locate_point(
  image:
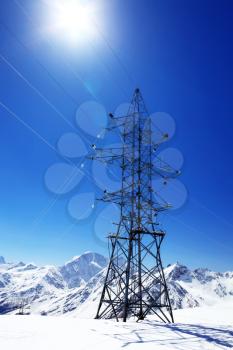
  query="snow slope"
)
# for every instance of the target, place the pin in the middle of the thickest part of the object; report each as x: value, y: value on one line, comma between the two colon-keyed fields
x: 37, y: 332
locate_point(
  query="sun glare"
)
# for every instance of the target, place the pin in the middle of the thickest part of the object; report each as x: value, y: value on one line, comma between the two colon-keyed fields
x: 72, y: 20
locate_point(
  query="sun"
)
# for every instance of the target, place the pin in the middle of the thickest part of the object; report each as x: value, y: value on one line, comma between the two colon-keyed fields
x: 72, y: 20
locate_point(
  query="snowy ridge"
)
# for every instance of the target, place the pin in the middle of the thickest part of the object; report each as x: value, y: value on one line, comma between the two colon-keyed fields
x: 75, y: 287
x: 200, y: 287
x: 2, y: 260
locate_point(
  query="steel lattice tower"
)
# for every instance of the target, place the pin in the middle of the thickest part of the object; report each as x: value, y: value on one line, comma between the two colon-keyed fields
x: 135, y: 284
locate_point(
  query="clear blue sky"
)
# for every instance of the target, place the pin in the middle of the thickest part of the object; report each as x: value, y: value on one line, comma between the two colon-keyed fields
x: 180, y: 54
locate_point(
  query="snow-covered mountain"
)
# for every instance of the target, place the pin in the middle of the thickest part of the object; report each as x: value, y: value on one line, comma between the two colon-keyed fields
x: 75, y: 287
x: 41, y: 286
x: 200, y: 287
x: 82, y: 268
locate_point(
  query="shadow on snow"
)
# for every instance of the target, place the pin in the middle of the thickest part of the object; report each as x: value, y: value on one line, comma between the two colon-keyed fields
x: 173, y: 334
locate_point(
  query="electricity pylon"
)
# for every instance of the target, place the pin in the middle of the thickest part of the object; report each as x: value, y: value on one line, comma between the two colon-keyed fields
x: 135, y: 284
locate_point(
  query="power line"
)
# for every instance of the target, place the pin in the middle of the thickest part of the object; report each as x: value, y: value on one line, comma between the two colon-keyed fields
x: 55, y: 80
x: 7, y: 28
x: 22, y: 8
x: 37, y: 91
x: 67, y: 180
x: 115, y: 54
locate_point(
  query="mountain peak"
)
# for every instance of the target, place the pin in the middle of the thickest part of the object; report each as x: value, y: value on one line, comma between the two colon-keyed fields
x: 178, y: 271
x: 175, y: 266
x: 83, y: 267
x: 2, y: 260
x: 87, y: 256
